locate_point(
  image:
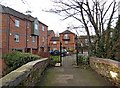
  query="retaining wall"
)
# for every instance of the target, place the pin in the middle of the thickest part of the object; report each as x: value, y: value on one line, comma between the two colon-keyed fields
x: 27, y: 75
x: 108, y: 68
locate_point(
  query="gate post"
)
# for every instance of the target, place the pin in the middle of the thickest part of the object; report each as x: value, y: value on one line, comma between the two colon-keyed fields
x: 60, y: 53
x: 76, y: 50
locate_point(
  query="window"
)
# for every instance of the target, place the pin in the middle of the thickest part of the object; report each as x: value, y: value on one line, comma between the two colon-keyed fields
x: 16, y: 38
x: 66, y: 42
x: 86, y: 41
x: 33, y: 38
x: 43, y: 28
x: 92, y: 41
x: 27, y: 23
x: 17, y: 23
x: 54, y: 42
x: 66, y: 36
x: 111, y: 34
x: 36, y: 26
x: 54, y: 49
x: 81, y: 44
x: 43, y: 39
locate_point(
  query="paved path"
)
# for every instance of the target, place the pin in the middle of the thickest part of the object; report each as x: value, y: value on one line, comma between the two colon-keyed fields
x: 69, y: 75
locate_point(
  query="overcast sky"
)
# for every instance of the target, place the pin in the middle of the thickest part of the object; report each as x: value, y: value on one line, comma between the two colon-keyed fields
x: 36, y: 6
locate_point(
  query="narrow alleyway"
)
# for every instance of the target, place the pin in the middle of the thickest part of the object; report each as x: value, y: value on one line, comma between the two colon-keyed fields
x: 69, y: 75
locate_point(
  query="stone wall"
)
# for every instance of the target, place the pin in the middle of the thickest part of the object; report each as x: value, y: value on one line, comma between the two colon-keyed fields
x: 26, y: 75
x: 108, y: 68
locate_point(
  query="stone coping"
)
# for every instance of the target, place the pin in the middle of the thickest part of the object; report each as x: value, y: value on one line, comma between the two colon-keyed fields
x: 19, y: 74
x: 106, y: 61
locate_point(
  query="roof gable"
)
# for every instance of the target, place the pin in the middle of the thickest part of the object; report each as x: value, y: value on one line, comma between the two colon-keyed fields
x: 67, y: 32
x: 54, y: 39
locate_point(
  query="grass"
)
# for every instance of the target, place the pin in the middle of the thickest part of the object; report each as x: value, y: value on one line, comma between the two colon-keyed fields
x: 54, y: 60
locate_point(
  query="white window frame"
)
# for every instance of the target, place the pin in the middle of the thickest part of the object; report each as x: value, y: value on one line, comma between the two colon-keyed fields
x: 66, y: 36
x: 92, y: 40
x: 86, y: 41
x: 54, y: 42
x: 54, y: 49
x: 43, y: 39
x: 33, y: 39
x: 111, y: 34
x: 66, y: 42
x: 28, y: 24
x: 43, y: 28
x: 81, y: 44
x: 17, y: 23
x: 16, y: 38
x: 36, y: 26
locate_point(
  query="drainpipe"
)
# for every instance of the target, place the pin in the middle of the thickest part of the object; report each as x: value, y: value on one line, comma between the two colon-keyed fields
x: 8, y: 32
x: 61, y: 52
x: 26, y: 35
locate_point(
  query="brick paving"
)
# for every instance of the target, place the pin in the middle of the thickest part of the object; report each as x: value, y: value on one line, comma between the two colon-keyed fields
x: 70, y: 75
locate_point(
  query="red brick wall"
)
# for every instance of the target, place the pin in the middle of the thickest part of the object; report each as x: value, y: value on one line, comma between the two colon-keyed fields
x: 41, y: 35
x: 50, y: 36
x: 21, y: 31
x: 71, y: 42
x: 4, y: 33
x: 8, y: 35
x: 57, y: 45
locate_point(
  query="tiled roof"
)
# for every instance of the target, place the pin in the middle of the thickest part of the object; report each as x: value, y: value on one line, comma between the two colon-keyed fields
x: 8, y: 10
x: 67, y: 32
x: 54, y: 39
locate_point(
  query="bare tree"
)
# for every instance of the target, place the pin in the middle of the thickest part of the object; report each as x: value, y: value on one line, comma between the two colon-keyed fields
x: 89, y: 12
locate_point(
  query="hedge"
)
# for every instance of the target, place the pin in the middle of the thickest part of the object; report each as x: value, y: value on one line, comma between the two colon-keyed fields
x: 14, y: 60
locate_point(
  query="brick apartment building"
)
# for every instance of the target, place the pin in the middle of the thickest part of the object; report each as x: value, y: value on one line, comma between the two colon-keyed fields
x: 21, y: 32
x: 50, y: 35
x: 55, y: 43
x: 67, y: 38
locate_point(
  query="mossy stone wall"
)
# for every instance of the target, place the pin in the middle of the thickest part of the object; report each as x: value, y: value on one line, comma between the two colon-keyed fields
x: 25, y: 76
x: 108, y: 68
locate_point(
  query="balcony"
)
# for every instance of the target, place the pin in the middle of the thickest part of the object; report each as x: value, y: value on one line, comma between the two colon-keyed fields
x: 66, y: 38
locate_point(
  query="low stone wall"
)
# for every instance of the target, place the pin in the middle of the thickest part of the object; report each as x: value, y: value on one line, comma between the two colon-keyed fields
x: 108, y: 68
x: 26, y: 75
